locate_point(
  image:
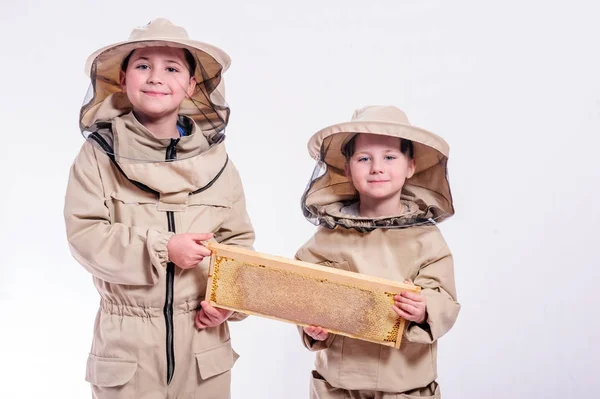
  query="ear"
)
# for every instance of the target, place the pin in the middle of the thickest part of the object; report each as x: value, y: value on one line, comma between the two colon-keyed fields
x: 191, y: 87
x: 410, y: 169
x: 122, y: 81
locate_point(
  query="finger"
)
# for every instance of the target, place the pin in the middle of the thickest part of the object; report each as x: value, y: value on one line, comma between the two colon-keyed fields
x: 198, y: 237
x: 196, y: 259
x: 401, y: 296
x: 199, y: 325
x: 413, y: 310
x: 310, y: 330
x: 413, y: 296
x: 407, y: 301
x: 320, y: 333
x: 216, y: 320
x: 402, y: 313
x: 205, y: 320
x: 198, y: 321
x: 406, y: 307
x: 210, y: 311
x: 202, y: 251
x: 200, y: 315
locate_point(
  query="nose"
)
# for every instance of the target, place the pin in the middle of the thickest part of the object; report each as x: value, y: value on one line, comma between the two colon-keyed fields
x: 154, y: 77
x: 376, y: 166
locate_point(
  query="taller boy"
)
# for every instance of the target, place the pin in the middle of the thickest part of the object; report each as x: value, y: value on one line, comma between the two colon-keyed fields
x: 151, y: 182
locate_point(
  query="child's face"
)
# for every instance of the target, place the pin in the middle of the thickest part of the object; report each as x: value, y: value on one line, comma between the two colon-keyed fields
x: 157, y: 80
x: 378, y: 169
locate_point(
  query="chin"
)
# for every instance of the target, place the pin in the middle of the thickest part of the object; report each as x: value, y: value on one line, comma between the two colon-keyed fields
x: 378, y: 196
x: 155, y: 113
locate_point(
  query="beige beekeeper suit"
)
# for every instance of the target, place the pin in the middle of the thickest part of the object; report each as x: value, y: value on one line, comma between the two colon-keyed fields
x: 407, y: 246
x: 122, y: 207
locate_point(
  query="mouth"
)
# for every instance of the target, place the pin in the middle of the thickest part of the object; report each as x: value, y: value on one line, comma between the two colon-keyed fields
x: 154, y: 93
x: 378, y: 181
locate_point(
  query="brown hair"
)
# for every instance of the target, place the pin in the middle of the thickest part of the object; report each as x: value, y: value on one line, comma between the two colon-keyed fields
x: 406, y: 147
x: 189, y: 59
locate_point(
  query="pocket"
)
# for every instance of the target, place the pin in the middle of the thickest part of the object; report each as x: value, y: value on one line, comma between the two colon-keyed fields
x: 209, y: 200
x: 321, y: 389
x: 206, y: 212
x: 130, y: 207
x: 432, y: 391
x: 216, y: 360
x: 111, y: 376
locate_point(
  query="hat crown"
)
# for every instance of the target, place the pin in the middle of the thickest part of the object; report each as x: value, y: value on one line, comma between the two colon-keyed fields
x: 159, y: 28
x: 380, y: 113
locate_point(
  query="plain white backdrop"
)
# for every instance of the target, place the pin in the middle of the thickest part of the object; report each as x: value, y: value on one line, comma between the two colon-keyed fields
x: 513, y: 86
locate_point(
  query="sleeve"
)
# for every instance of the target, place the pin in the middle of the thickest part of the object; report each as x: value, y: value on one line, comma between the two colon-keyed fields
x: 237, y: 229
x: 436, y: 278
x: 113, y: 252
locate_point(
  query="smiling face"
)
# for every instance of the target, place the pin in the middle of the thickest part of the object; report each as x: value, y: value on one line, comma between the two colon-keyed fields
x: 156, y: 81
x: 378, y: 168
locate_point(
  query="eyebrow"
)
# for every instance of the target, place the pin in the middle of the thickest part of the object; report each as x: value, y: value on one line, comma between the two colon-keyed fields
x: 148, y: 59
x: 368, y: 152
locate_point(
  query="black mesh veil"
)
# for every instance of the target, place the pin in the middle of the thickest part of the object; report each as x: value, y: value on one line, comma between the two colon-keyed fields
x: 329, y: 192
x: 105, y: 100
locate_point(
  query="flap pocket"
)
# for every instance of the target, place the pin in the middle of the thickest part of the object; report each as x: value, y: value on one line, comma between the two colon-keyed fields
x: 208, y: 199
x: 432, y: 391
x: 216, y: 360
x: 109, y: 372
x: 137, y: 198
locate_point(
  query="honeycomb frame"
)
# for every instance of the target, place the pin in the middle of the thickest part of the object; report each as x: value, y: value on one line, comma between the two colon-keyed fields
x: 252, y: 283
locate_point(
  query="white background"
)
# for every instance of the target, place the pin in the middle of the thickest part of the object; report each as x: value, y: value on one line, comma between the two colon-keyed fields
x: 513, y: 86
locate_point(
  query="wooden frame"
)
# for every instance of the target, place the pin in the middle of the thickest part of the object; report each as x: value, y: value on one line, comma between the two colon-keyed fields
x: 264, y: 263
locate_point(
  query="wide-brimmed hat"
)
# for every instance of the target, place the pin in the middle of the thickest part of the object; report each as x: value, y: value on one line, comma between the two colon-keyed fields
x: 383, y: 120
x: 207, y: 106
x: 429, y: 185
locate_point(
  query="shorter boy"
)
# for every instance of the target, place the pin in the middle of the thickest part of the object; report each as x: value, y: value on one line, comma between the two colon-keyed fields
x: 384, y: 189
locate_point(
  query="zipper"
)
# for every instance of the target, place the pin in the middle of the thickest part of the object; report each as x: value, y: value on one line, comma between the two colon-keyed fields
x: 171, y: 155
x: 168, y: 309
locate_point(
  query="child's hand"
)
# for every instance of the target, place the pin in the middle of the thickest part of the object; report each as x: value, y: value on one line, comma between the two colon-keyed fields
x: 411, y: 306
x: 209, y: 316
x: 316, y: 333
x: 186, y: 250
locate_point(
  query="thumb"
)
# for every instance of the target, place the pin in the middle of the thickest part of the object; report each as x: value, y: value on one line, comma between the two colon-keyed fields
x: 198, y: 237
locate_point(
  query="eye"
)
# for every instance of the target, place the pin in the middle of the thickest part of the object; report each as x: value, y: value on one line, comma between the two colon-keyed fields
x: 171, y: 69
x: 142, y: 66
x: 390, y: 157
x: 363, y: 159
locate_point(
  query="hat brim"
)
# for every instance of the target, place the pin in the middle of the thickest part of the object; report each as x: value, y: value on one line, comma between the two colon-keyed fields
x: 205, y: 106
x: 121, y: 50
x: 430, y: 149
